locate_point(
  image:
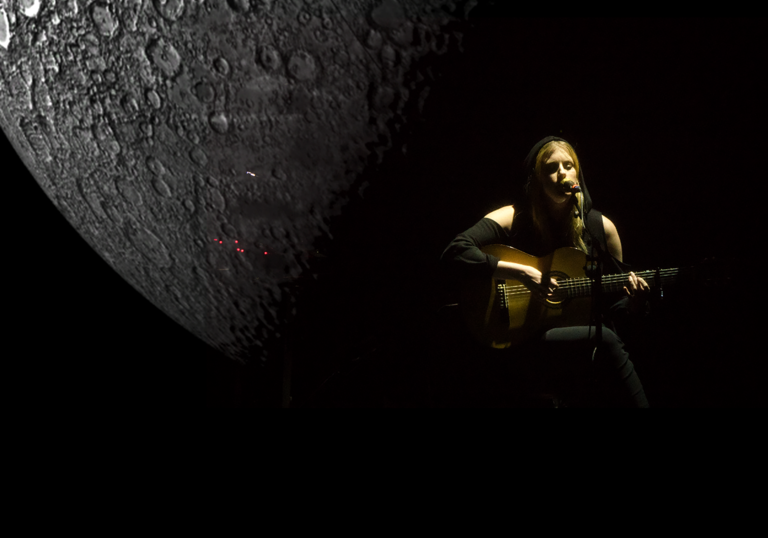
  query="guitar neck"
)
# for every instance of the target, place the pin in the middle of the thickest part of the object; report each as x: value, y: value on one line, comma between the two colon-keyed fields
x: 580, y: 287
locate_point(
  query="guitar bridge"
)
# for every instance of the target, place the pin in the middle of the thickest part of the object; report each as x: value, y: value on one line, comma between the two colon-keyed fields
x: 501, y: 293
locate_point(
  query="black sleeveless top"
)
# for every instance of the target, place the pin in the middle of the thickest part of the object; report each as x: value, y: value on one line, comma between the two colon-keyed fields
x: 523, y: 236
x: 463, y: 259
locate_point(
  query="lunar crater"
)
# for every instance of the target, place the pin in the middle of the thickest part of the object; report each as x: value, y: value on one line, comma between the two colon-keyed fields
x: 170, y: 10
x: 203, y: 90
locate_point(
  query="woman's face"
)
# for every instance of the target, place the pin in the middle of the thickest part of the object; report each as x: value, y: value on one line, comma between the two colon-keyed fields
x: 557, y: 168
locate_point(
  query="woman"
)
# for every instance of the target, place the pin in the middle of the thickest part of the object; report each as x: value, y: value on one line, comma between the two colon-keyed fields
x: 551, y: 218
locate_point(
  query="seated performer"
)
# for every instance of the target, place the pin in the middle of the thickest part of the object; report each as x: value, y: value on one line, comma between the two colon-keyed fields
x: 552, y: 217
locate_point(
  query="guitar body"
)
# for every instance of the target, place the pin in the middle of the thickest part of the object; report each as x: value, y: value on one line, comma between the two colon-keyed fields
x: 503, y: 313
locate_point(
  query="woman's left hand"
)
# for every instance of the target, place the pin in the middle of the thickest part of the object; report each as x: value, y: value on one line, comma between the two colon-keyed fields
x: 637, y: 291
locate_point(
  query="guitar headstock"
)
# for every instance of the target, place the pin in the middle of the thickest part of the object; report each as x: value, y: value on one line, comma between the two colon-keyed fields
x: 713, y: 272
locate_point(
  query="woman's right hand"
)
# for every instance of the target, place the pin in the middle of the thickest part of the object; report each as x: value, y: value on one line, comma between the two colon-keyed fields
x: 532, y: 279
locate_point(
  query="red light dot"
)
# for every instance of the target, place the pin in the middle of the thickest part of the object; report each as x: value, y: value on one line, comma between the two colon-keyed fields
x: 265, y: 253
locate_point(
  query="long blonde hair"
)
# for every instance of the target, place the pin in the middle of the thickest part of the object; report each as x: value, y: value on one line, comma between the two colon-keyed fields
x: 554, y: 234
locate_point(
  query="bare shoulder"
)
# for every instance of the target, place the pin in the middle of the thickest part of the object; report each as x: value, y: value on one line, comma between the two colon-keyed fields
x: 610, y: 227
x: 503, y: 216
x: 612, y: 239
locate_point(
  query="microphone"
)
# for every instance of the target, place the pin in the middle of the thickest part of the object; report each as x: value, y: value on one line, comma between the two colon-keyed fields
x: 569, y: 186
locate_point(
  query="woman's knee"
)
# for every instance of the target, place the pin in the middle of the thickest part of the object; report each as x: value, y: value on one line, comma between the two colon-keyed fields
x: 613, y: 348
x: 611, y: 339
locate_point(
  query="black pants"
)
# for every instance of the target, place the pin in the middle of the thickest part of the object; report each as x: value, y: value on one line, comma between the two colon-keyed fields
x: 605, y: 377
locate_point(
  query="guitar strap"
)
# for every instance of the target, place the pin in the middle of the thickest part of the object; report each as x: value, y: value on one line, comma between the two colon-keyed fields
x: 598, y: 247
x: 595, y: 241
x: 596, y: 231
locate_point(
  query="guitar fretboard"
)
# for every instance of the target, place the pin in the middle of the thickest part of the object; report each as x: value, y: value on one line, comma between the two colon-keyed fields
x: 582, y: 287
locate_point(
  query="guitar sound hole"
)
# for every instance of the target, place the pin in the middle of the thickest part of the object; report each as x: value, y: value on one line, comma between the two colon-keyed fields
x: 561, y: 294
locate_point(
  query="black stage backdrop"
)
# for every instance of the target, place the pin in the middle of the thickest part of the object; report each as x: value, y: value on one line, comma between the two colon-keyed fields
x: 667, y: 117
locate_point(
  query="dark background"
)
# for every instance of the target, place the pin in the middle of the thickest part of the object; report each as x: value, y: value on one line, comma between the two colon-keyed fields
x: 666, y: 116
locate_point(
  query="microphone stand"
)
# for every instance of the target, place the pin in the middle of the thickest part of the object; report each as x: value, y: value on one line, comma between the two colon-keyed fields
x: 594, y: 271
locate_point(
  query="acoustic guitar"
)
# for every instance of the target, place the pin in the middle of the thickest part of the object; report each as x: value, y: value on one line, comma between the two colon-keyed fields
x: 504, y: 313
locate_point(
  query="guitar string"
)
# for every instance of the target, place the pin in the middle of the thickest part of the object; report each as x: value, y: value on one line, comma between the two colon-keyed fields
x: 519, y: 290
x: 625, y: 277
x: 526, y: 292
x: 586, y: 283
x: 611, y: 279
x: 579, y: 283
